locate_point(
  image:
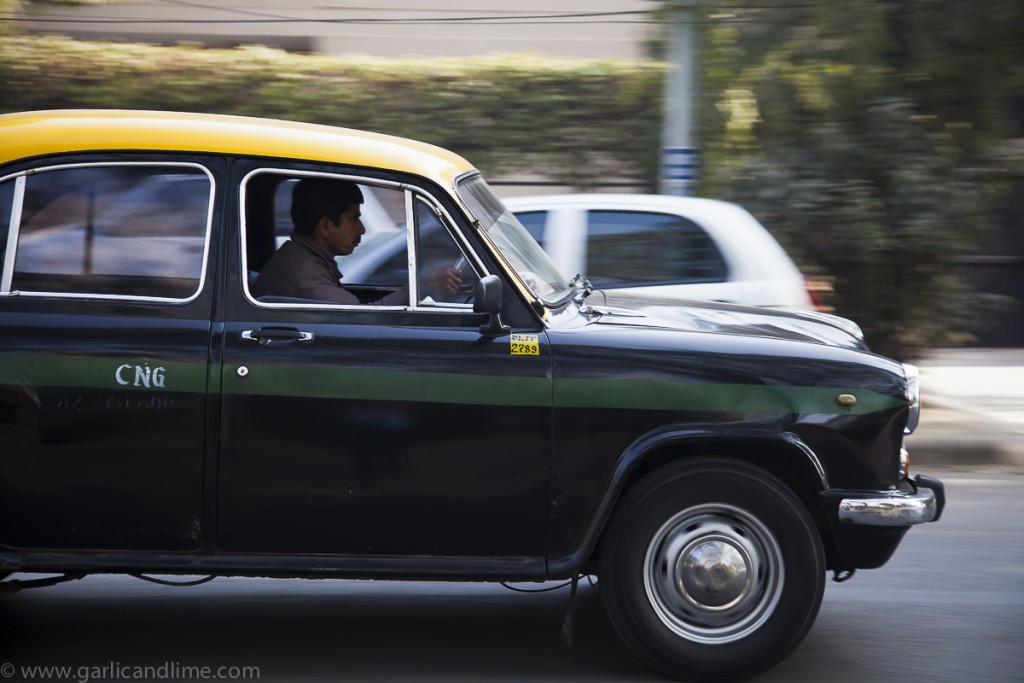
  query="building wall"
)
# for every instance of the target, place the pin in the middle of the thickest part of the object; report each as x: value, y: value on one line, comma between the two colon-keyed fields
x: 386, y: 28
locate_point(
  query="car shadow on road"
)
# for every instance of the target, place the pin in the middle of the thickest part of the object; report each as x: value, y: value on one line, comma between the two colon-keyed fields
x: 321, y: 630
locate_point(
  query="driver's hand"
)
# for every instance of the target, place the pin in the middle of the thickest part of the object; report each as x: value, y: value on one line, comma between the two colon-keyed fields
x: 445, y: 280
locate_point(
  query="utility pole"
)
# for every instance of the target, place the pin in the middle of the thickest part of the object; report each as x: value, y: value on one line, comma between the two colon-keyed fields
x: 679, y: 160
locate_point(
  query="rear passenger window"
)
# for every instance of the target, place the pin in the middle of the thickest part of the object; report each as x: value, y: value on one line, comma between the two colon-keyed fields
x: 627, y: 248
x: 122, y: 231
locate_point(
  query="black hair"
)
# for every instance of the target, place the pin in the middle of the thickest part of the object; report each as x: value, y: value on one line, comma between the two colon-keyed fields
x: 314, y: 198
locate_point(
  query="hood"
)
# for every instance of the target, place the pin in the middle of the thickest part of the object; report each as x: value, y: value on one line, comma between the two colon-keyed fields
x: 608, y: 307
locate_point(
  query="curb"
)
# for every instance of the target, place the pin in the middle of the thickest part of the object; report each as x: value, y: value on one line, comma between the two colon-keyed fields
x: 954, y: 434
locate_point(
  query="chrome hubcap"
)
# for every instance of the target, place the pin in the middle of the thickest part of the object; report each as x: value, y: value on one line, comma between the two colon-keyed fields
x: 713, y: 573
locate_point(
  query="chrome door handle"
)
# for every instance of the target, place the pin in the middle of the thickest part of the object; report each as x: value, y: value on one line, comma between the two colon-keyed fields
x: 277, y: 336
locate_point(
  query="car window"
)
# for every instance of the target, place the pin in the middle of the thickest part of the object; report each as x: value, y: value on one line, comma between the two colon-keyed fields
x: 633, y: 247
x: 383, y: 216
x: 123, y: 231
x: 436, y: 251
x: 385, y: 261
x: 268, y: 221
x: 380, y: 263
x: 534, y: 222
x: 383, y: 210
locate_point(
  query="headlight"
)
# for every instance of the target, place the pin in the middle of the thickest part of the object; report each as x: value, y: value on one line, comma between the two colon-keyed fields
x: 913, y: 396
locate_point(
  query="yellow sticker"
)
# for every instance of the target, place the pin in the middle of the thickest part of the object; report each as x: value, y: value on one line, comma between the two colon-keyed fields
x: 525, y: 345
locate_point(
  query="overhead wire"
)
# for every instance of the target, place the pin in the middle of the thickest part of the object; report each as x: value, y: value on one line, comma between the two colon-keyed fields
x: 265, y: 18
x: 547, y: 18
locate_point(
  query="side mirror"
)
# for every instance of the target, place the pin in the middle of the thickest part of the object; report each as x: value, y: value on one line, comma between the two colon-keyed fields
x: 487, y: 299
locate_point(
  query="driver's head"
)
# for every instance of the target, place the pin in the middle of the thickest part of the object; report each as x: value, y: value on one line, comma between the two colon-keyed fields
x: 315, y: 198
x: 327, y: 211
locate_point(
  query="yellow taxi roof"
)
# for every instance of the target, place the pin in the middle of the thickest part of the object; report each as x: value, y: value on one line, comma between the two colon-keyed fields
x: 39, y: 133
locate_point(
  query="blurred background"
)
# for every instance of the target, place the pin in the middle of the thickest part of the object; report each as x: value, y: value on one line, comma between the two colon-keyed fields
x: 880, y: 141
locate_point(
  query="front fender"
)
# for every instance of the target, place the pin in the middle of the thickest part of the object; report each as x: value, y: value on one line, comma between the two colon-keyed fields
x: 668, y: 444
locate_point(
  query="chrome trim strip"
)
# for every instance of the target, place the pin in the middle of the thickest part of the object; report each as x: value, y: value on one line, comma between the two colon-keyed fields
x: 890, y: 510
x: 411, y: 254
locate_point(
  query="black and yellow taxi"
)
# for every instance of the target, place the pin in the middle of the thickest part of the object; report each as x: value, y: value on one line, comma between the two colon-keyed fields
x: 710, y: 464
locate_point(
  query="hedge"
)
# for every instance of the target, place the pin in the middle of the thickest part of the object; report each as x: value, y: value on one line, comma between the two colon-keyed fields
x: 576, y: 121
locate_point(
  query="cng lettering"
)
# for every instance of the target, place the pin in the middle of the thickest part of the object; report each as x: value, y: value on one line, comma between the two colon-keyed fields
x: 141, y: 376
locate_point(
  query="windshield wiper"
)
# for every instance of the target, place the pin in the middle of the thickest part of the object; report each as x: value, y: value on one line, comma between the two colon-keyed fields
x: 583, y: 286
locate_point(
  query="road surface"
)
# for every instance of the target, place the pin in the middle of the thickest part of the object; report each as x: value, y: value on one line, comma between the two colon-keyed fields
x: 948, y: 608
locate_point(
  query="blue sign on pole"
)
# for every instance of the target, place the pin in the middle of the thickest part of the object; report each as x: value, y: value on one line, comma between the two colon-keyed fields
x: 678, y: 170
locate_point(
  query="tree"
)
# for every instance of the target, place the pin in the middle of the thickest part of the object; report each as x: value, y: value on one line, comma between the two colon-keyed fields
x: 861, y: 143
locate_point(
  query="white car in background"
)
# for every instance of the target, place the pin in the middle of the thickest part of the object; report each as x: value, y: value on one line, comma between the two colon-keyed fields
x: 663, y: 246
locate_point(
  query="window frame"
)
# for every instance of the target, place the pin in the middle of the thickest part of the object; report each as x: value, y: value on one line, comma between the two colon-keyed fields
x: 14, y: 232
x: 412, y: 193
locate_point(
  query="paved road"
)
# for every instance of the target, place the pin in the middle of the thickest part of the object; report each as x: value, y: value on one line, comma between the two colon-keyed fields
x: 948, y: 608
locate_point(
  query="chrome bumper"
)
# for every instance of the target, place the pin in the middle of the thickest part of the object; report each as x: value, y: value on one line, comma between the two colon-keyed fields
x: 895, y: 508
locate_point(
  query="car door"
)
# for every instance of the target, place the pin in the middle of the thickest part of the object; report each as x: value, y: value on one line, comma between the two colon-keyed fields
x: 104, y: 337
x: 377, y: 431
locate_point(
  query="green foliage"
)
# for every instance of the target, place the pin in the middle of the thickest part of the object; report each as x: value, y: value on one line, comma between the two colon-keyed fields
x: 861, y: 138
x: 882, y: 208
x: 570, y: 118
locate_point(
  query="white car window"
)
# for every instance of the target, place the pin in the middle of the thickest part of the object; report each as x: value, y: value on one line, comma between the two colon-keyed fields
x: 535, y: 223
x: 626, y: 248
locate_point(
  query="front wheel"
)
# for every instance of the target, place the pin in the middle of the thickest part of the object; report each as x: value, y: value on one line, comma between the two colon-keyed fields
x: 712, y: 569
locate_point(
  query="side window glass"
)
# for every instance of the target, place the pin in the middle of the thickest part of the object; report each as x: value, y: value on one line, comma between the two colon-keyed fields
x: 119, y: 231
x: 373, y: 258
x: 381, y: 259
x: 382, y: 211
x: 534, y: 222
x: 630, y: 247
x: 444, y: 274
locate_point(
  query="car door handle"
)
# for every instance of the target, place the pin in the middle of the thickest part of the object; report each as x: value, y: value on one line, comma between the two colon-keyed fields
x: 277, y: 336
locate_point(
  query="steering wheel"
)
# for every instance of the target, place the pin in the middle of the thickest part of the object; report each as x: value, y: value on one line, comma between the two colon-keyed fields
x: 468, y: 283
x: 464, y: 292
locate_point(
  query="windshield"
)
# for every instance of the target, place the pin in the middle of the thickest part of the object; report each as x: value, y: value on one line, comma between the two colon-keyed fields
x: 531, y: 263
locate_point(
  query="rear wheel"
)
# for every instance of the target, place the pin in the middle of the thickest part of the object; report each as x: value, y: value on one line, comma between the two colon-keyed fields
x: 712, y: 569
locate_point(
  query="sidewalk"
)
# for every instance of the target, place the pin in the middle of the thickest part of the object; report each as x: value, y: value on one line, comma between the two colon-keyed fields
x: 972, y: 409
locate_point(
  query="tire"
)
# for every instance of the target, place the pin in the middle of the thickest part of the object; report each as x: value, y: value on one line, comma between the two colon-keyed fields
x: 711, y: 569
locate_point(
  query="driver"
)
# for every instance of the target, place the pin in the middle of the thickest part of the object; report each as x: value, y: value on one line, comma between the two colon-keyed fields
x: 326, y: 216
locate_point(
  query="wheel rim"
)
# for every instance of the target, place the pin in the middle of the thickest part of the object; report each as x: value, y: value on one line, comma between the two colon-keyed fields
x: 713, y: 573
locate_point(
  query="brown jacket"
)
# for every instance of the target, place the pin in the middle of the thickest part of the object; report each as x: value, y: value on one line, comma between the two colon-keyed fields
x: 304, y: 270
